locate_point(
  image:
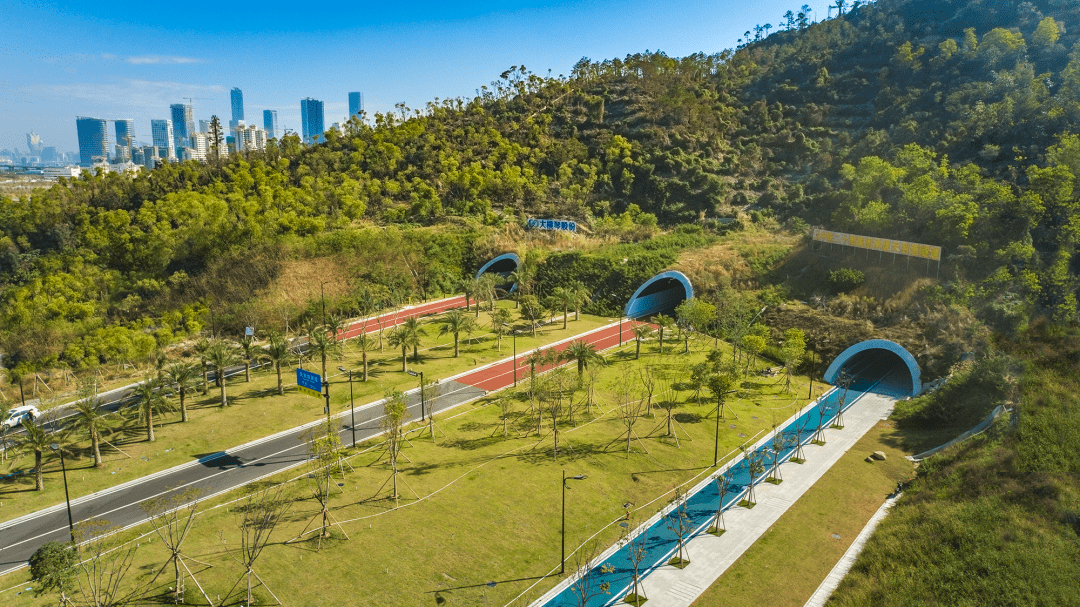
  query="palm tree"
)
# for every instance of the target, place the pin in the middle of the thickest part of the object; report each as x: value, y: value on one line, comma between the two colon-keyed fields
x: 90, y: 417
x: 202, y: 346
x: 641, y: 332
x: 182, y: 375
x: 666, y: 323
x: 365, y: 343
x: 489, y: 286
x: 336, y: 326
x: 37, y: 439
x: 468, y: 285
x: 500, y: 319
x: 277, y: 351
x: 321, y: 344
x: 583, y: 353
x: 220, y: 356
x: 415, y: 329
x: 563, y: 297
x: 400, y: 337
x: 151, y: 399
x: 582, y: 298
x: 247, y: 345
x: 455, y: 322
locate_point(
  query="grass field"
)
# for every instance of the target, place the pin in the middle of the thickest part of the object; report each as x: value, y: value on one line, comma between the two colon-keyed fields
x: 786, y: 565
x: 490, y: 505
x: 255, y: 410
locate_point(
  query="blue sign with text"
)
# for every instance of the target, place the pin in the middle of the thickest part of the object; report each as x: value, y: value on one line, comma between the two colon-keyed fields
x: 309, y: 383
x: 553, y: 224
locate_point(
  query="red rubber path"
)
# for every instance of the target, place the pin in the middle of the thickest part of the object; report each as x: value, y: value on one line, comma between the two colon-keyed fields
x: 392, y: 319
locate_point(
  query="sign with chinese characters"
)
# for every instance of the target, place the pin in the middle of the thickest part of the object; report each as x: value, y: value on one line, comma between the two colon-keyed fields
x: 912, y: 249
x: 309, y: 383
x: 553, y: 224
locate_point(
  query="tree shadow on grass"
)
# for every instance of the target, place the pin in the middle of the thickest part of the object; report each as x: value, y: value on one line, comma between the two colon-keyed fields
x: 441, y: 600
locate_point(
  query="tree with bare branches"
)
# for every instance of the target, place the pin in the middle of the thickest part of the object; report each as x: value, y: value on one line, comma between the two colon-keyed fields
x: 105, y: 564
x: 172, y: 516
x: 586, y: 582
x: 722, y: 487
x: 259, y: 517
x: 678, y: 522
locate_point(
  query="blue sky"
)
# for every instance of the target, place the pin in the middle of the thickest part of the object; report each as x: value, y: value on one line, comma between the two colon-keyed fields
x: 123, y: 59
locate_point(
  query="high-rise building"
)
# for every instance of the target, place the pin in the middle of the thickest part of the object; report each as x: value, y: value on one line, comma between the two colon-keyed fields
x: 237, y: 97
x: 311, y: 118
x: 356, y: 104
x: 270, y: 123
x: 183, y: 124
x: 125, y: 136
x: 204, y: 126
x: 93, y: 140
x: 150, y: 155
x: 164, y: 138
x: 248, y: 138
x: 33, y: 141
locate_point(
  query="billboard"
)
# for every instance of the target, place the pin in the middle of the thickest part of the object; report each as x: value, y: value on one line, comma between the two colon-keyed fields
x: 884, y: 245
x: 552, y: 224
x: 309, y: 383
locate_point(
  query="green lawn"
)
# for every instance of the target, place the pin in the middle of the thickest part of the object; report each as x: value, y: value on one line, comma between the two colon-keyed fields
x: 786, y: 565
x: 255, y: 410
x: 491, y: 505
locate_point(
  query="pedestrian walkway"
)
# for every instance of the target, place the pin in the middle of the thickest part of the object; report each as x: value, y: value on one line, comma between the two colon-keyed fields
x: 710, y: 556
x: 825, y: 590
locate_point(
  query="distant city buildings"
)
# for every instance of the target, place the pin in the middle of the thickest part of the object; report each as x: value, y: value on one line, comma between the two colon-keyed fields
x: 33, y: 142
x: 311, y: 119
x: 93, y: 140
x: 183, y: 124
x: 125, y: 139
x: 270, y: 123
x: 237, y: 98
x: 164, y: 138
x: 248, y: 138
x: 356, y: 104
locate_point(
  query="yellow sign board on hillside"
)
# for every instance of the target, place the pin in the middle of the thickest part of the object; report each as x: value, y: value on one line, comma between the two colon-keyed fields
x: 885, y: 245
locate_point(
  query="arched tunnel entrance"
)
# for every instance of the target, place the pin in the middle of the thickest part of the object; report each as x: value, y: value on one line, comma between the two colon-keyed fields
x: 502, y: 266
x: 659, y: 295
x: 878, y: 365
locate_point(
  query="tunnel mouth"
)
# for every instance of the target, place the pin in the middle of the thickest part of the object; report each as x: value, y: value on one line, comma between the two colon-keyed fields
x: 661, y: 294
x: 878, y: 365
x: 502, y: 266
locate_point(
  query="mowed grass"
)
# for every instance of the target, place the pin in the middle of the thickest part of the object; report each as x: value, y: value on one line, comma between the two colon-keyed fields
x: 491, y: 507
x: 786, y: 565
x: 255, y: 410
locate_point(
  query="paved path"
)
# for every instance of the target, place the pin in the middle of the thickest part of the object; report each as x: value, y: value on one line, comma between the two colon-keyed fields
x: 229, y: 469
x: 710, y: 556
x: 825, y: 590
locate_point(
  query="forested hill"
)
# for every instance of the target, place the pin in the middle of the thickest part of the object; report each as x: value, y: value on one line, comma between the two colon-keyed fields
x: 936, y: 121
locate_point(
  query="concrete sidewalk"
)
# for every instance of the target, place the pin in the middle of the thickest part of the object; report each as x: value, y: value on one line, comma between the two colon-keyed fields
x: 710, y: 556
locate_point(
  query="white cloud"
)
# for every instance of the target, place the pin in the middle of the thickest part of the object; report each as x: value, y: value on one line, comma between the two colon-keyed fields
x: 159, y: 59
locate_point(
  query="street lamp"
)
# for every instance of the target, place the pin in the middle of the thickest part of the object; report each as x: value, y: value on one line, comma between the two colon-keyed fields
x: 580, y: 477
x: 421, y: 376
x: 71, y: 525
x: 352, y: 407
x: 514, y: 334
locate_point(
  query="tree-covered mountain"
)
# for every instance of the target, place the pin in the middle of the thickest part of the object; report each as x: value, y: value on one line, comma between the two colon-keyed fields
x: 946, y: 122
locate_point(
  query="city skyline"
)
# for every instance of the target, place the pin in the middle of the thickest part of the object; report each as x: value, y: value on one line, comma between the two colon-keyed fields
x: 413, y: 55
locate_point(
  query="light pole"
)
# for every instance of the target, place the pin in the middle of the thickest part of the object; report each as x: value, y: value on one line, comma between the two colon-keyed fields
x: 71, y: 525
x: 716, y: 440
x: 421, y: 376
x: 580, y: 477
x: 352, y: 407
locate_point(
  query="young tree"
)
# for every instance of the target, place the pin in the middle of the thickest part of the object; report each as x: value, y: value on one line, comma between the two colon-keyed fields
x: 777, y: 445
x: 399, y: 337
x: 259, y: 517
x: 488, y: 286
x: 720, y: 384
x: 181, y: 376
x: 90, y: 417
x: 506, y: 411
x: 277, y: 351
x: 500, y: 321
x: 755, y: 467
x: 754, y: 343
x: 105, y: 564
x: 416, y: 331
x: 666, y: 324
x: 396, y: 414
x: 365, y: 343
x: 454, y: 322
x: 531, y: 311
x: 792, y: 352
x: 587, y: 583
x: 54, y: 567
x: 247, y: 346
x: 694, y: 314
x: 641, y: 333
x: 679, y: 523
x: 630, y: 411
x: 722, y: 487
x: 150, y: 401
x: 647, y: 374
x: 324, y: 449
x: 172, y: 517
x: 637, y: 550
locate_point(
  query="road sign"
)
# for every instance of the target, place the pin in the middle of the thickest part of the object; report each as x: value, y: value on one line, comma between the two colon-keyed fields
x: 309, y: 383
x: 249, y: 331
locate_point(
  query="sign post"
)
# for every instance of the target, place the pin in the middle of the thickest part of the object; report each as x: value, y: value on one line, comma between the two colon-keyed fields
x: 309, y: 383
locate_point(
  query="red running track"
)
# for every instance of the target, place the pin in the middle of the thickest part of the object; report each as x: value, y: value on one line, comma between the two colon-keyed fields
x: 501, y: 375
x: 392, y: 319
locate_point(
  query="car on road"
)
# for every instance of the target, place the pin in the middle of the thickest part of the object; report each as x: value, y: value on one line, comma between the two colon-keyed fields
x: 18, y: 415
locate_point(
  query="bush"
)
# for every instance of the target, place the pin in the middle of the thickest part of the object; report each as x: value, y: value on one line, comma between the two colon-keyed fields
x: 845, y: 279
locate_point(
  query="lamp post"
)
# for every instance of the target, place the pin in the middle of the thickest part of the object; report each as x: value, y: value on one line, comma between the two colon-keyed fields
x: 71, y: 524
x: 352, y: 407
x: 580, y: 477
x: 421, y: 376
x: 514, y: 334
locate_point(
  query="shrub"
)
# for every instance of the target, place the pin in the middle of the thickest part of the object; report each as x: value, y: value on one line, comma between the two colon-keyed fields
x: 845, y: 279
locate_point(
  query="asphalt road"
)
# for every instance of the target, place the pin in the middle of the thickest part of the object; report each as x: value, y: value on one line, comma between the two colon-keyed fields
x: 236, y: 467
